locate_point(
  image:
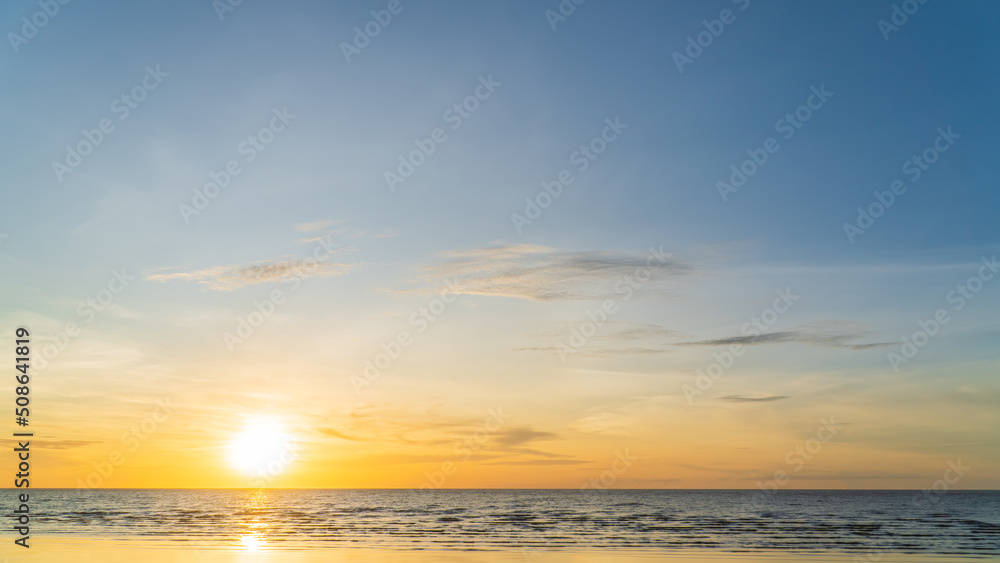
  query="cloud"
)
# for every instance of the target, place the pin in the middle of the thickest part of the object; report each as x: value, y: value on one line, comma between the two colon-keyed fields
x: 378, y: 460
x: 396, y: 424
x: 623, y: 339
x: 52, y: 444
x: 315, y: 225
x: 607, y: 423
x: 540, y: 462
x: 623, y: 480
x: 832, y: 334
x: 399, y: 424
x: 749, y: 399
x: 228, y: 278
x: 538, y: 273
x: 518, y: 436
x: 338, y: 434
x: 531, y: 451
x: 640, y: 331
x: 595, y: 351
x: 655, y: 339
x: 344, y: 236
x: 846, y: 475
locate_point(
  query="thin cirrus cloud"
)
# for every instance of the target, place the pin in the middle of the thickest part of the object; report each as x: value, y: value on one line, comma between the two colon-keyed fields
x: 752, y: 399
x: 440, y: 432
x: 539, y: 273
x: 518, y: 436
x: 397, y: 424
x: 342, y: 235
x: 617, y: 330
x: 607, y: 423
x: 596, y: 351
x: 53, y: 444
x: 434, y: 429
x: 831, y: 334
x: 229, y: 278
x: 315, y: 225
x: 540, y: 462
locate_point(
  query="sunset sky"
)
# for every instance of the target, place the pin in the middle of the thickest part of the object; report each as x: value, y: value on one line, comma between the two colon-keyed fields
x: 676, y: 269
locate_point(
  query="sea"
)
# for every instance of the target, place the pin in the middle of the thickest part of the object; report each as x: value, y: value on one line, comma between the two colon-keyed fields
x: 962, y: 524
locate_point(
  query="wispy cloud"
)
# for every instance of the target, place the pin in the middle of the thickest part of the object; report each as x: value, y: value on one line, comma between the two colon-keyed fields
x: 344, y: 236
x: 832, y: 334
x: 398, y: 424
x: 846, y: 476
x: 640, y: 331
x: 623, y: 480
x: 228, y: 278
x: 597, y: 351
x: 606, y: 423
x: 52, y: 444
x: 625, y: 339
x: 617, y: 339
x: 518, y: 436
x: 623, y: 331
x: 315, y: 225
x: 751, y: 399
x: 540, y: 273
x: 540, y: 462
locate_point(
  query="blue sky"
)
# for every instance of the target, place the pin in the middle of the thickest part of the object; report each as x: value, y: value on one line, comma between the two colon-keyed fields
x: 654, y: 186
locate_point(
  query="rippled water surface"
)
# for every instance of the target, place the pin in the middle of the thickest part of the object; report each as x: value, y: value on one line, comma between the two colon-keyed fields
x: 866, y: 522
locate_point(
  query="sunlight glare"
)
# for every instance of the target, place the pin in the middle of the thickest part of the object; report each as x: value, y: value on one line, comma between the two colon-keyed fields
x: 262, y: 445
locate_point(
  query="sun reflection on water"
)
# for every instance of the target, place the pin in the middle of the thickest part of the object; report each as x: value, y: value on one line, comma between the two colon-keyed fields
x: 254, y: 533
x: 252, y: 543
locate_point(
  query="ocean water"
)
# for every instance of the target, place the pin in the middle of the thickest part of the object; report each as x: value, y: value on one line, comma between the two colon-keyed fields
x: 865, y: 523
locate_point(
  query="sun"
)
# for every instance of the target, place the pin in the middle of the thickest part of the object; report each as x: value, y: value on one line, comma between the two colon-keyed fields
x: 263, y: 448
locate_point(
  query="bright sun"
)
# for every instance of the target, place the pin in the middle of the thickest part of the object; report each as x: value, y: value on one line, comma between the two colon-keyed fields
x: 262, y: 447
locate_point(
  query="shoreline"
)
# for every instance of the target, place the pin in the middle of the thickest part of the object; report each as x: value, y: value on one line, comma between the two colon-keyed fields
x: 56, y: 548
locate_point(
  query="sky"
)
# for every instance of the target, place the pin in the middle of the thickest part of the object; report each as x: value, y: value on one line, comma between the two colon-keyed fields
x: 727, y: 244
